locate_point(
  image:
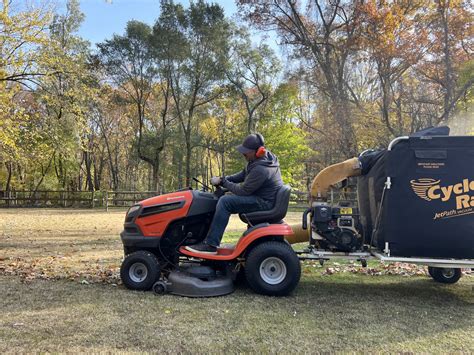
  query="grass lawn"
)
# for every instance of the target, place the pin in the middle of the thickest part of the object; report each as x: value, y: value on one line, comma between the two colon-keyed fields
x: 60, y: 291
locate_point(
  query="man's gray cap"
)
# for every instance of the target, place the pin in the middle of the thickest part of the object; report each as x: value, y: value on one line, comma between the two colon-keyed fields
x: 250, y: 144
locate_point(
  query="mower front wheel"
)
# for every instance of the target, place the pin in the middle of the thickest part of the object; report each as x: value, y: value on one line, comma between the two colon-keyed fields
x: 140, y: 270
x: 272, y: 268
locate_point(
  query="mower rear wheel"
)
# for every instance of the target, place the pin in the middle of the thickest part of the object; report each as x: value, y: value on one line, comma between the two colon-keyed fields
x: 140, y: 270
x: 445, y: 275
x: 272, y: 268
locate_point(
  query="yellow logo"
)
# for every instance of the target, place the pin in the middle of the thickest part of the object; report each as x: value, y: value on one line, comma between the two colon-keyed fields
x: 430, y: 189
x: 421, y: 187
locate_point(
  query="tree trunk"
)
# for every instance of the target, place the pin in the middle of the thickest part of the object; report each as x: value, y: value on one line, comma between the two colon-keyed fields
x: 9, y: 177
x: 224, y: 128
x: 89, y: 182
x: 187, y: 138
x: 386, y: 98
x: 250, y: 123
x: 60, y: 171
x: 7, y: 186
x: 188, y: 160
x: 44, y: 172
x: 155, y: 183
x: 112, y: 166
x: 449, y: 74
x: 180, y: 172
x: 339, y: 102
x: 98, y: 172
x: 341, y: 114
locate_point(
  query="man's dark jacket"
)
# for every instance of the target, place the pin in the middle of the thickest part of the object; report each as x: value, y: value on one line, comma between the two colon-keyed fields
x: 260, y: 177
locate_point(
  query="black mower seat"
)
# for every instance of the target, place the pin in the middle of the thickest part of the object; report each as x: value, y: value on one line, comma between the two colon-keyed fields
x: 275, y: 215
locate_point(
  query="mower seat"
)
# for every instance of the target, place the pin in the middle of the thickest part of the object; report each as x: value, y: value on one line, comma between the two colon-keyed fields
x: 275, y: 215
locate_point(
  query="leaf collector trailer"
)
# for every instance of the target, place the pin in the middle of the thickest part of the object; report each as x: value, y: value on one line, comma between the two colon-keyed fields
x: 415, y: 205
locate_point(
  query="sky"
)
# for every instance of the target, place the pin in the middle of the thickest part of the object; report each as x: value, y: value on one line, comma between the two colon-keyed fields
x: 106, y: 17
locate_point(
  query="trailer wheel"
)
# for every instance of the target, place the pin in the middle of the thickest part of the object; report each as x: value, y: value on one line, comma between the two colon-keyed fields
x: 272, y: 268
x: 430, y: 271
x: 140, y: 270
x: 445, y: 275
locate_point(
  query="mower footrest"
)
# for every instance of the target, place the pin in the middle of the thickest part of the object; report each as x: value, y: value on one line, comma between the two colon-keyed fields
x: 220, y: 252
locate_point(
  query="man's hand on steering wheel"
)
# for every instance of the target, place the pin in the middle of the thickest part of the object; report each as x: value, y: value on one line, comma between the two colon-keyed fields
x: 216, y: 181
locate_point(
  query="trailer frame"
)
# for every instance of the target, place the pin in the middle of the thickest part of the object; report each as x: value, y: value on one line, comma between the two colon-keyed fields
x: 363, y: 256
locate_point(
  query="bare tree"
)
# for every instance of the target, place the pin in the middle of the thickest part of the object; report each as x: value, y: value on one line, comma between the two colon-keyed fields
x: 325, y: 33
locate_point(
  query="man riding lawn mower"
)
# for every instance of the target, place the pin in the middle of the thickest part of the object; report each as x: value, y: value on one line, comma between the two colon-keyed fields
x: 171, y: 242
x: 189, y: 226
x: 254, y: 189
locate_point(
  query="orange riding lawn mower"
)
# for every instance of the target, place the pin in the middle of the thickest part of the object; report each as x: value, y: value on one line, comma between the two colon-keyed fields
x: 415, y: 205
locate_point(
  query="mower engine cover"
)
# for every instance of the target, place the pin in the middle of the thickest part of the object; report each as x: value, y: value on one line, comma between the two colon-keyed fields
x: 168, y: 221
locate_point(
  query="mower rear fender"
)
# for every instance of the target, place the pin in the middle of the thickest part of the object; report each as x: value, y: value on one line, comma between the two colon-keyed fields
x: 246, y: 242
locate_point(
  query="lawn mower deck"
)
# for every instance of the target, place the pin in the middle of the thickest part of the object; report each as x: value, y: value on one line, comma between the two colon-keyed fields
x: 195, y: 281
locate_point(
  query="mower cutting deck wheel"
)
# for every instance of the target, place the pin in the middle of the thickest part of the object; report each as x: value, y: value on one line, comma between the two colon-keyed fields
x: 273, y: 268
x: 140, y: 270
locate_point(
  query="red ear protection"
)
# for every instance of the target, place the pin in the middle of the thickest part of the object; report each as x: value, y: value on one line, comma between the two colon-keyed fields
x: 261, y: 151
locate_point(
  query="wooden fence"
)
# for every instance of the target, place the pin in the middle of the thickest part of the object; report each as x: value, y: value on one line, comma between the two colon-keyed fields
x: 110, y: 199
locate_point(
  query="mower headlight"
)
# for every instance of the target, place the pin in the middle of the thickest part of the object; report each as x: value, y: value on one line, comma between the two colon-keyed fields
x: 133, y: 209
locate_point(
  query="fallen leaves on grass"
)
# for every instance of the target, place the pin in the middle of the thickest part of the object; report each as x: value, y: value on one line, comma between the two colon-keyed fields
x: 57, y: 268
x: 400, y: 269
x: 61, y: 268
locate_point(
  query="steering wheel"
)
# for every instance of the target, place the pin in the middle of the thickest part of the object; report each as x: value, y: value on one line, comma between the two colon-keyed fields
x: 205, y: 188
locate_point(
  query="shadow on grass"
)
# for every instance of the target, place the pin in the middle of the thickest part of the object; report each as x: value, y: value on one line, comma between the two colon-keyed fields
x: 386, y: 287
x: 323, y: 314
x: 381, y: 310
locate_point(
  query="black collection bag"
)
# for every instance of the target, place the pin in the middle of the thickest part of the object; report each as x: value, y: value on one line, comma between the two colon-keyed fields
x: 428, y: 211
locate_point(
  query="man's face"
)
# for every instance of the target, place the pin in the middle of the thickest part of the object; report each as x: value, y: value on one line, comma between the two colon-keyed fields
x: 249, y: 156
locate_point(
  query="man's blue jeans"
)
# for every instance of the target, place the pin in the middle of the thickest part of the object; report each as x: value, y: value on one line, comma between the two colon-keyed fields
x: 229, y: 204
